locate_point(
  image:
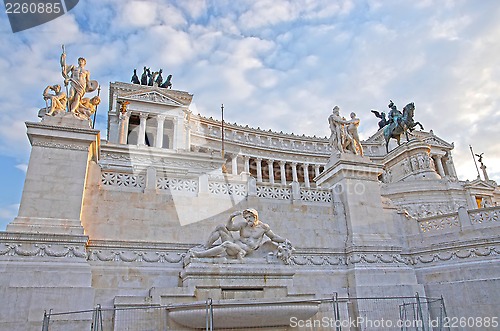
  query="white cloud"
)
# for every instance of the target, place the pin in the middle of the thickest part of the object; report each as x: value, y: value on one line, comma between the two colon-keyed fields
x: 7, y: 215
x: 23, y: 167
x: 139, y: 14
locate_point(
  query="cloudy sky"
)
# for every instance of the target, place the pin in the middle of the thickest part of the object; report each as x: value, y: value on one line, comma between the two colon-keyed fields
x: 275, y: 64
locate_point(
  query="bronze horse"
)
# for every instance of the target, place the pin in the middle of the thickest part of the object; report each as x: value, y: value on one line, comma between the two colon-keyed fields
x: 402, y: 124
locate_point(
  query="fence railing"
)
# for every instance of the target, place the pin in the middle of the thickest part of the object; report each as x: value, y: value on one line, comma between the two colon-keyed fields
x: 404, y: 313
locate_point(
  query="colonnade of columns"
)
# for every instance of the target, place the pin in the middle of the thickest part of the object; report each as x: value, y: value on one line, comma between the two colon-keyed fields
x: 276, y: 171
x: 444, y: 165
x: 124, y: 126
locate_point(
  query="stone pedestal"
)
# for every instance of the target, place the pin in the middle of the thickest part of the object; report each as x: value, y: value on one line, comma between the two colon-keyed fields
x: 353, y: 180
x: 410, y: 162
x: 375, y: 266
x: 253, y: 293
x: 43, y: 254
x: 53, y: 191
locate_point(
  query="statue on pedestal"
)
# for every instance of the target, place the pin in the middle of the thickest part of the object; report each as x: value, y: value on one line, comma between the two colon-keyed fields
x: 252, y: 235
x: 400, y: 123
x: 79, y: 79
x: 341, y: 138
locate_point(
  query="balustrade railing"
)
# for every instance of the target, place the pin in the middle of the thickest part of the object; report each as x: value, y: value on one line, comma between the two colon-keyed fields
x: 453, y: 222
x: 175, y: 184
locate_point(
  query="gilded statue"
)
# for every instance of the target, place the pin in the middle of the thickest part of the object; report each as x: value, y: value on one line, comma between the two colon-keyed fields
x: 57, y: 99
x: 79, y: 80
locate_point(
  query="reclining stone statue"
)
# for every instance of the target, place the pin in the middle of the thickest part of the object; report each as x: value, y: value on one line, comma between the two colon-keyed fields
x: 252, y: 235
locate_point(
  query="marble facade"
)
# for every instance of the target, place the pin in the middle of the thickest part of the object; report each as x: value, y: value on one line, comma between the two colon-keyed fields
x: 110, y: 221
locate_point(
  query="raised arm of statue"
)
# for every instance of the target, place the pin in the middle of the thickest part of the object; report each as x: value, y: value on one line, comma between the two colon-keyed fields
x: 251, y: 237
x: 64, y: 68
x: 230, y: 224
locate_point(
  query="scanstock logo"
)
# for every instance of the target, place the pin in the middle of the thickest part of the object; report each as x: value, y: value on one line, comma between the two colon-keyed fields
x: 25, y: 14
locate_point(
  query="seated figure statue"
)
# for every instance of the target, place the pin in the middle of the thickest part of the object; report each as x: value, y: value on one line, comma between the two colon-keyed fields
x: 252, y: 234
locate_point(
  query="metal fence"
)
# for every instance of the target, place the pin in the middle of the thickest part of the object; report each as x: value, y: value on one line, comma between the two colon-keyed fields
x: 336, y: 313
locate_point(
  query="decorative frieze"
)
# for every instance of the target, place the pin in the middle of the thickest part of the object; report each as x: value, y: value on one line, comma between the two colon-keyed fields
x: 455, y: 254
x: 135, y: 256
x: 50, y: 144
x: 40, y: 250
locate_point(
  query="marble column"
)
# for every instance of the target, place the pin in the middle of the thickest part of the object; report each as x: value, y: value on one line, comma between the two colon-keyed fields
x: 451, y: 167
x: 283, y: 172
x: 141, y: 139
x: 247, y: 164
x: 439, y: 164
x: 295, y: 178
x: 123, y: 134
x: 306, y: 175
x: 270, y: 166
x: 160, y: 121
x: 234, y: 164
x: 316, y: 170
x: 259, y: 169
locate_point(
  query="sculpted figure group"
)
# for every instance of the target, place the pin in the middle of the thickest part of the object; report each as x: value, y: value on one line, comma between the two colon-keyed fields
x: 152, y: 79
x: 77, y: 78
x: 344, y: 136
x: 252, y: 236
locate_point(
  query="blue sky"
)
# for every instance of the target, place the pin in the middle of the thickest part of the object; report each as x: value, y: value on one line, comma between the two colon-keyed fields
x: 279, y: 65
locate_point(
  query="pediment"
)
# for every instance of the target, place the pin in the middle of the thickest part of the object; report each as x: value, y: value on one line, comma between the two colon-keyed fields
x: 479, y: 184
x: 438, y: 142
x: 152, y: 97
x: 376, y: 138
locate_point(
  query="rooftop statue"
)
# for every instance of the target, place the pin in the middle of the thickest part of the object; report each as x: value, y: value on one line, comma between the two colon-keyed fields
x: 399, y: 123
x: 167, y: 83
x: 144, y: 77
x: 57, y: 100
x: 159, y: 79
x: 252, y: 235
x: 383, y: 121
x: 341, y: 138
x: 79, y: 79
x: 152, y: 77
x: 135, y: 78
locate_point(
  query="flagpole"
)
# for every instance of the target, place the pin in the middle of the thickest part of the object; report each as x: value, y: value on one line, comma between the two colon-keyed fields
x: 224, y: 169
x: 473, y: 158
